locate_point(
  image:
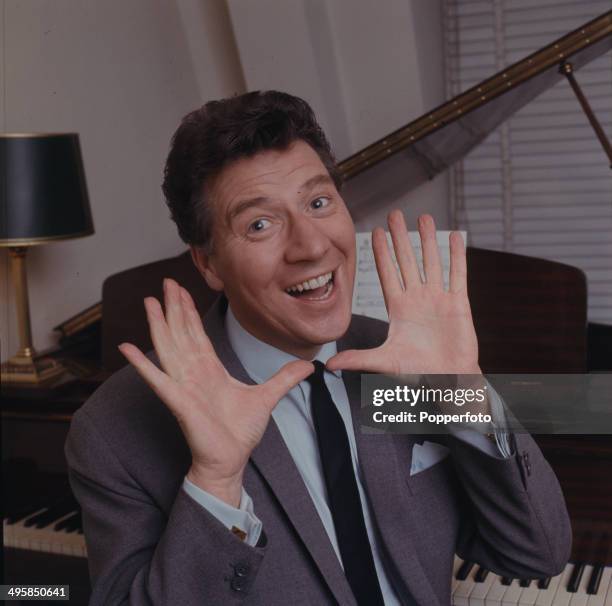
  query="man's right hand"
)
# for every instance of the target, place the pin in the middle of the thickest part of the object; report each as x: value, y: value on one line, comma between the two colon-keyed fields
x: 222, y: 419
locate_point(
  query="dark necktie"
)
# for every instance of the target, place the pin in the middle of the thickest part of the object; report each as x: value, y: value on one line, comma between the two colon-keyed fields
x: 343, y: 494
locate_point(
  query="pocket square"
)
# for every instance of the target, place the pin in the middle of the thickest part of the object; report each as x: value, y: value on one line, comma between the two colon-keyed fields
x: 426, y: 455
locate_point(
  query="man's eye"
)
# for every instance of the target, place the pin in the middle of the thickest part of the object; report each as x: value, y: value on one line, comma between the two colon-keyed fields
x: 259, y: 225
x: 320, y: 202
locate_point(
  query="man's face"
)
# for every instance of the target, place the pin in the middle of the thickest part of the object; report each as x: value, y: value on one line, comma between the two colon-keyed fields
x: 279, y: 225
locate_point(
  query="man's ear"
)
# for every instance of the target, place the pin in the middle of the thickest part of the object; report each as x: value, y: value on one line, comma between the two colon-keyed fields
x: 206, y: 266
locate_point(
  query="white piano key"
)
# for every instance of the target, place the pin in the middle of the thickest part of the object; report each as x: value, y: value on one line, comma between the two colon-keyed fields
x: 530, y: 594
x: 7, y: 532
x: 496, y: 593
x: 563, y: 596
x: 604, y: 595
x: 546, y: 596
x: 456, y: 565
x: 513, y: 593
x: 479, y: 593
x: 462, y: 593
x: 580, y: 598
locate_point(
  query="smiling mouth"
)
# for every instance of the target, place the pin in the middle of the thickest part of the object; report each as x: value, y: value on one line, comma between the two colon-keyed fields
x: 314, y: 289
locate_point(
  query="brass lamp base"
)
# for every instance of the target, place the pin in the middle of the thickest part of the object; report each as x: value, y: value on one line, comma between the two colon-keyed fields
x: 29, y: 371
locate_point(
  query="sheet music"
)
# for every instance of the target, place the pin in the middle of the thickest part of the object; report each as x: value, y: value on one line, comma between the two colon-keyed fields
x: 367, y: 294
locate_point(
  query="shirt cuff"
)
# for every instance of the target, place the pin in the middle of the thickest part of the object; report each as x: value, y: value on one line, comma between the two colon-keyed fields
x: 476, y: 434
x: 243, y: 518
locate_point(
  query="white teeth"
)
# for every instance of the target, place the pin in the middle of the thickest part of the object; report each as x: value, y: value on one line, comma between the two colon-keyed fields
x: 311, y: 284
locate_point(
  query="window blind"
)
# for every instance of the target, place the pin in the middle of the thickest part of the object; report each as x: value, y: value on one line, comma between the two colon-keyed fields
x: 539, y: 185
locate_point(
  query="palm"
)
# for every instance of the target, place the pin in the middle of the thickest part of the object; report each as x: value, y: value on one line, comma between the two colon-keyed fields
x: 430, y: 329
x: 430, y: 333
x: 222, y: 418
x: 221, y: 434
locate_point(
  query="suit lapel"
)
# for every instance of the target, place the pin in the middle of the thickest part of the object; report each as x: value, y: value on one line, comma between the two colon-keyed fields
x: 389, y: 497
x: 274, y: 462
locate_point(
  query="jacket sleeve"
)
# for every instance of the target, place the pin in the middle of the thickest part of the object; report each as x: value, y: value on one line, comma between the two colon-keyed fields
x: 517, y: 522
x: 141, y: 555
x: 242, y: 517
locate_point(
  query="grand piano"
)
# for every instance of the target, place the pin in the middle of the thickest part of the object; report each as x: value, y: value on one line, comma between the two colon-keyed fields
x: 43, y: 535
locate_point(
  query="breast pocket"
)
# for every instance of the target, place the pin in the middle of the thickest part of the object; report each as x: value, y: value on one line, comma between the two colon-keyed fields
x: 435, y: 501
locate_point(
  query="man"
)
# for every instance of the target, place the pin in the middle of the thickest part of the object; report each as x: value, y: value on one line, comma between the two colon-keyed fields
x: 236, y: 472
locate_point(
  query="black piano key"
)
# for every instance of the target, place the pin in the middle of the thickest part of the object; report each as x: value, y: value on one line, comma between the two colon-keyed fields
x: 464, y: 570
x: 55, y: 512
x: 38, y: 519
x: 595, y: 580
x: 481, y: 575
x: 544, y: 583
x: 48, y: 517
x: 24, y: 512
x: 506, y: 580
x: 63, y: 524
x: 525, y: 582
x: 74, y: 523
x: 31, y: 521
x: 577, y: 573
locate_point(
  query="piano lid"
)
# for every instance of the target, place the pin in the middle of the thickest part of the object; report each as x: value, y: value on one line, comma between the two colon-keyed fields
x: 436, y: 140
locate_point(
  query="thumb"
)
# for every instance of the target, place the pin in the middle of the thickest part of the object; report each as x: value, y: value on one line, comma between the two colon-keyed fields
x: 367, y: 360
x: 285, y: 379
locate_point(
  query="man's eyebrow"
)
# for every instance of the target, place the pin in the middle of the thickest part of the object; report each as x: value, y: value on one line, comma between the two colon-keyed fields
x: 316, y: 181
x: 308, y: 185
x: 245, y: 205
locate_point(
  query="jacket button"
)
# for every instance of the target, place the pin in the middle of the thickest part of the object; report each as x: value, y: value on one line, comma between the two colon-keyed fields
x: 241, y: 570
x: 238, y: 584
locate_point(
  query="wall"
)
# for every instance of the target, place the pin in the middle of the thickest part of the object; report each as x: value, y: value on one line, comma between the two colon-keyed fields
x: 367, y: 68
x: 121, y: 74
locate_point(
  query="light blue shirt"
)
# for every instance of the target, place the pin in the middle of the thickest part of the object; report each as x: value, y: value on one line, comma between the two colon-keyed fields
x: 293, y: 417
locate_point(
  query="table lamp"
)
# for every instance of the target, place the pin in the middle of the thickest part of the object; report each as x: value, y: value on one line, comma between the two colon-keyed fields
x: 43, y: 198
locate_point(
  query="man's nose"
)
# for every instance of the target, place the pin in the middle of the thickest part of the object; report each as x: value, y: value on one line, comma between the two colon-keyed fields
x: 307, y: 241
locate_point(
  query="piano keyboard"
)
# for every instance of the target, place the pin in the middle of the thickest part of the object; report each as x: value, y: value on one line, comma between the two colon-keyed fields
x: 49, y: 530
x: 577, y: 585
x: 40, y: 513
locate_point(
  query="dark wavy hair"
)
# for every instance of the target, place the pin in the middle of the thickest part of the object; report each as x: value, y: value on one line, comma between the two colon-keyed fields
x: 222, y: 131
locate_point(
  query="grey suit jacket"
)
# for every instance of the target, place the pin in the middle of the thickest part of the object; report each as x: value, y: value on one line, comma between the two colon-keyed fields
x: 150, y: 543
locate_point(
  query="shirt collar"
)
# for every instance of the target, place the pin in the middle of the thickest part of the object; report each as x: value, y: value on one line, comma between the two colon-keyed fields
x: 260, y: 359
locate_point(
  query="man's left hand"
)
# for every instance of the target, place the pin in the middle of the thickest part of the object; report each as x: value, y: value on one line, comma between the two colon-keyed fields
x: 430, y: 330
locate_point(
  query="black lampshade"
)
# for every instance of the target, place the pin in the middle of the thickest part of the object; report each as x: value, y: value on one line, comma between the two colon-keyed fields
x: 43, y: 194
